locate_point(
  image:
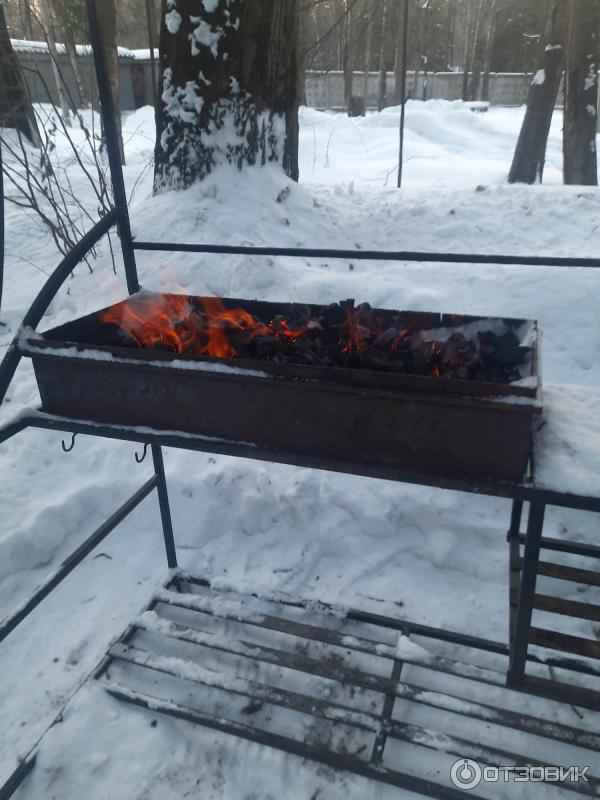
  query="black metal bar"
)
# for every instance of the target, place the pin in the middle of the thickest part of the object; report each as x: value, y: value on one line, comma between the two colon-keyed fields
x: 519, y: 644
x: 524, y: 491
x: 403, y: 90
x: 363, y: 720
x: 187, y: 632
x: 564, y: 546
x: 514, y: 557
x: 424, y: 630
x: 440, y: 663
x: 314, y: 752
x: 12, y: 428
x: 246, y: 687
x: 1, y: 227
x: 16, y: 779
x: 371, y: 255
x: 108, y: 111
x: 564, y: 572
x: 575, y: 645
x: 38, y: 308
x: 165, y: 510
x: 560, y: 692
x: 9, y: 623
x: 568, y: 608
x: 386, y: 715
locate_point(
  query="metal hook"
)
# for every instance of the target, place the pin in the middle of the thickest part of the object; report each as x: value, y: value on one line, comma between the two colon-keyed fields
x: 139, y: 458
x: 68, y: 448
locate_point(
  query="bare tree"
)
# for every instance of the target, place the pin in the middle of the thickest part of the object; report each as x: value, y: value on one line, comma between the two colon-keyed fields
x: 530, y: 154
x: 382, y: 83
x: 15, y: 106
x: 229, y: 88
x: 490, y: 29
x: 107, y: 23
x: 71, y: 16
x: 581, y: 94
x: 47, y: 22
x: 367, y: 12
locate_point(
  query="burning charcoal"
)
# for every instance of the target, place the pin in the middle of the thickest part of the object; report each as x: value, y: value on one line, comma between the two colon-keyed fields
x: 374, y: 357
x: 334, y: 315
x: 265, y: 346
x: 385, y: 337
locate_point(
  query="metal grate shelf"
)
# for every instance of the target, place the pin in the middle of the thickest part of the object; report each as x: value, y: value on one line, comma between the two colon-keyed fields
x: 310, y: 680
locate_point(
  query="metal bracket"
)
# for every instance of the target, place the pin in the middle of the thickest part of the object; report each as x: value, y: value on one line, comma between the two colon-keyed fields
x: 68, y: 448
x: 139, y: 458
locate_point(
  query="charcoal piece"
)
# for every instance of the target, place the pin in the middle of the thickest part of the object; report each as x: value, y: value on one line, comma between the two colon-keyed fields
x: 386, y: 337
x: 334, y: 315
x: 374, y: 357
x: 508, y: 339
x: 265, y: 346
x: 511, y: 356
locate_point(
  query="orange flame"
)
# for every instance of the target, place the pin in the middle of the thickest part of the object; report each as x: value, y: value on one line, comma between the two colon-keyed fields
x: 171, y: 320
x: 356, y: 334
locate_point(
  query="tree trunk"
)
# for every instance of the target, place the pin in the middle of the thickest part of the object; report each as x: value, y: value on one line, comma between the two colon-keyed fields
x: 347, y: 57
x: 15, y: 106
x: 367, y: 63
x: 71, y: 49
x: 581, y: 94
x: 477, y: 61
x: 468, y: 51
x: 47, y: 23
x: 382, y: 83
x: 530, y: 154
x: 399, y: 59
x: 151, y: 24
x: 229, y: 81
x: 107, y: 24
x: 490, y: 30
x: 451, y: 54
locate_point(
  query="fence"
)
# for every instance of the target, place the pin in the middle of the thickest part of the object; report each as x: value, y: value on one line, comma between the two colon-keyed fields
x: 324, y: 90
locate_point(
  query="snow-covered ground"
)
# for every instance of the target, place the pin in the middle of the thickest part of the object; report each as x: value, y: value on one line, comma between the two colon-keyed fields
x: 431, y: 556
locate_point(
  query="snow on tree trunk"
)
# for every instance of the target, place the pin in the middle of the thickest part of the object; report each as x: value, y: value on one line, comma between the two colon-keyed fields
x: 581, y: 94
x: 15, y: 106
x: 229, y: 83
x: 530, y: 153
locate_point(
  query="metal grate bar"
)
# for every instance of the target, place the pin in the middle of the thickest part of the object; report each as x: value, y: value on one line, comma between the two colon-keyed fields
x: 564, y: 642
x: 337, y: 761
x: 569, y: 608
x: 415, y: 734
x: 10, y: 622
x: 194, y: 673
x: 561, y: 692
x: 564, y: 546
x: 565, y: 573
x: 401, y: 690
x: 357, y: 643
x: 16, y: 779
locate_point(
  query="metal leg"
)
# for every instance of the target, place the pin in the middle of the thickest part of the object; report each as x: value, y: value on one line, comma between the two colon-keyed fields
x: 165, y: 510
x: 520, y: 641
x: 108, y: 111
x: 514, y: 569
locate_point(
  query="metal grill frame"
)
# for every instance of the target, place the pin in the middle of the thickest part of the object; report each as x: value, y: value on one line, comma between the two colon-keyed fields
x: 524, y: 571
